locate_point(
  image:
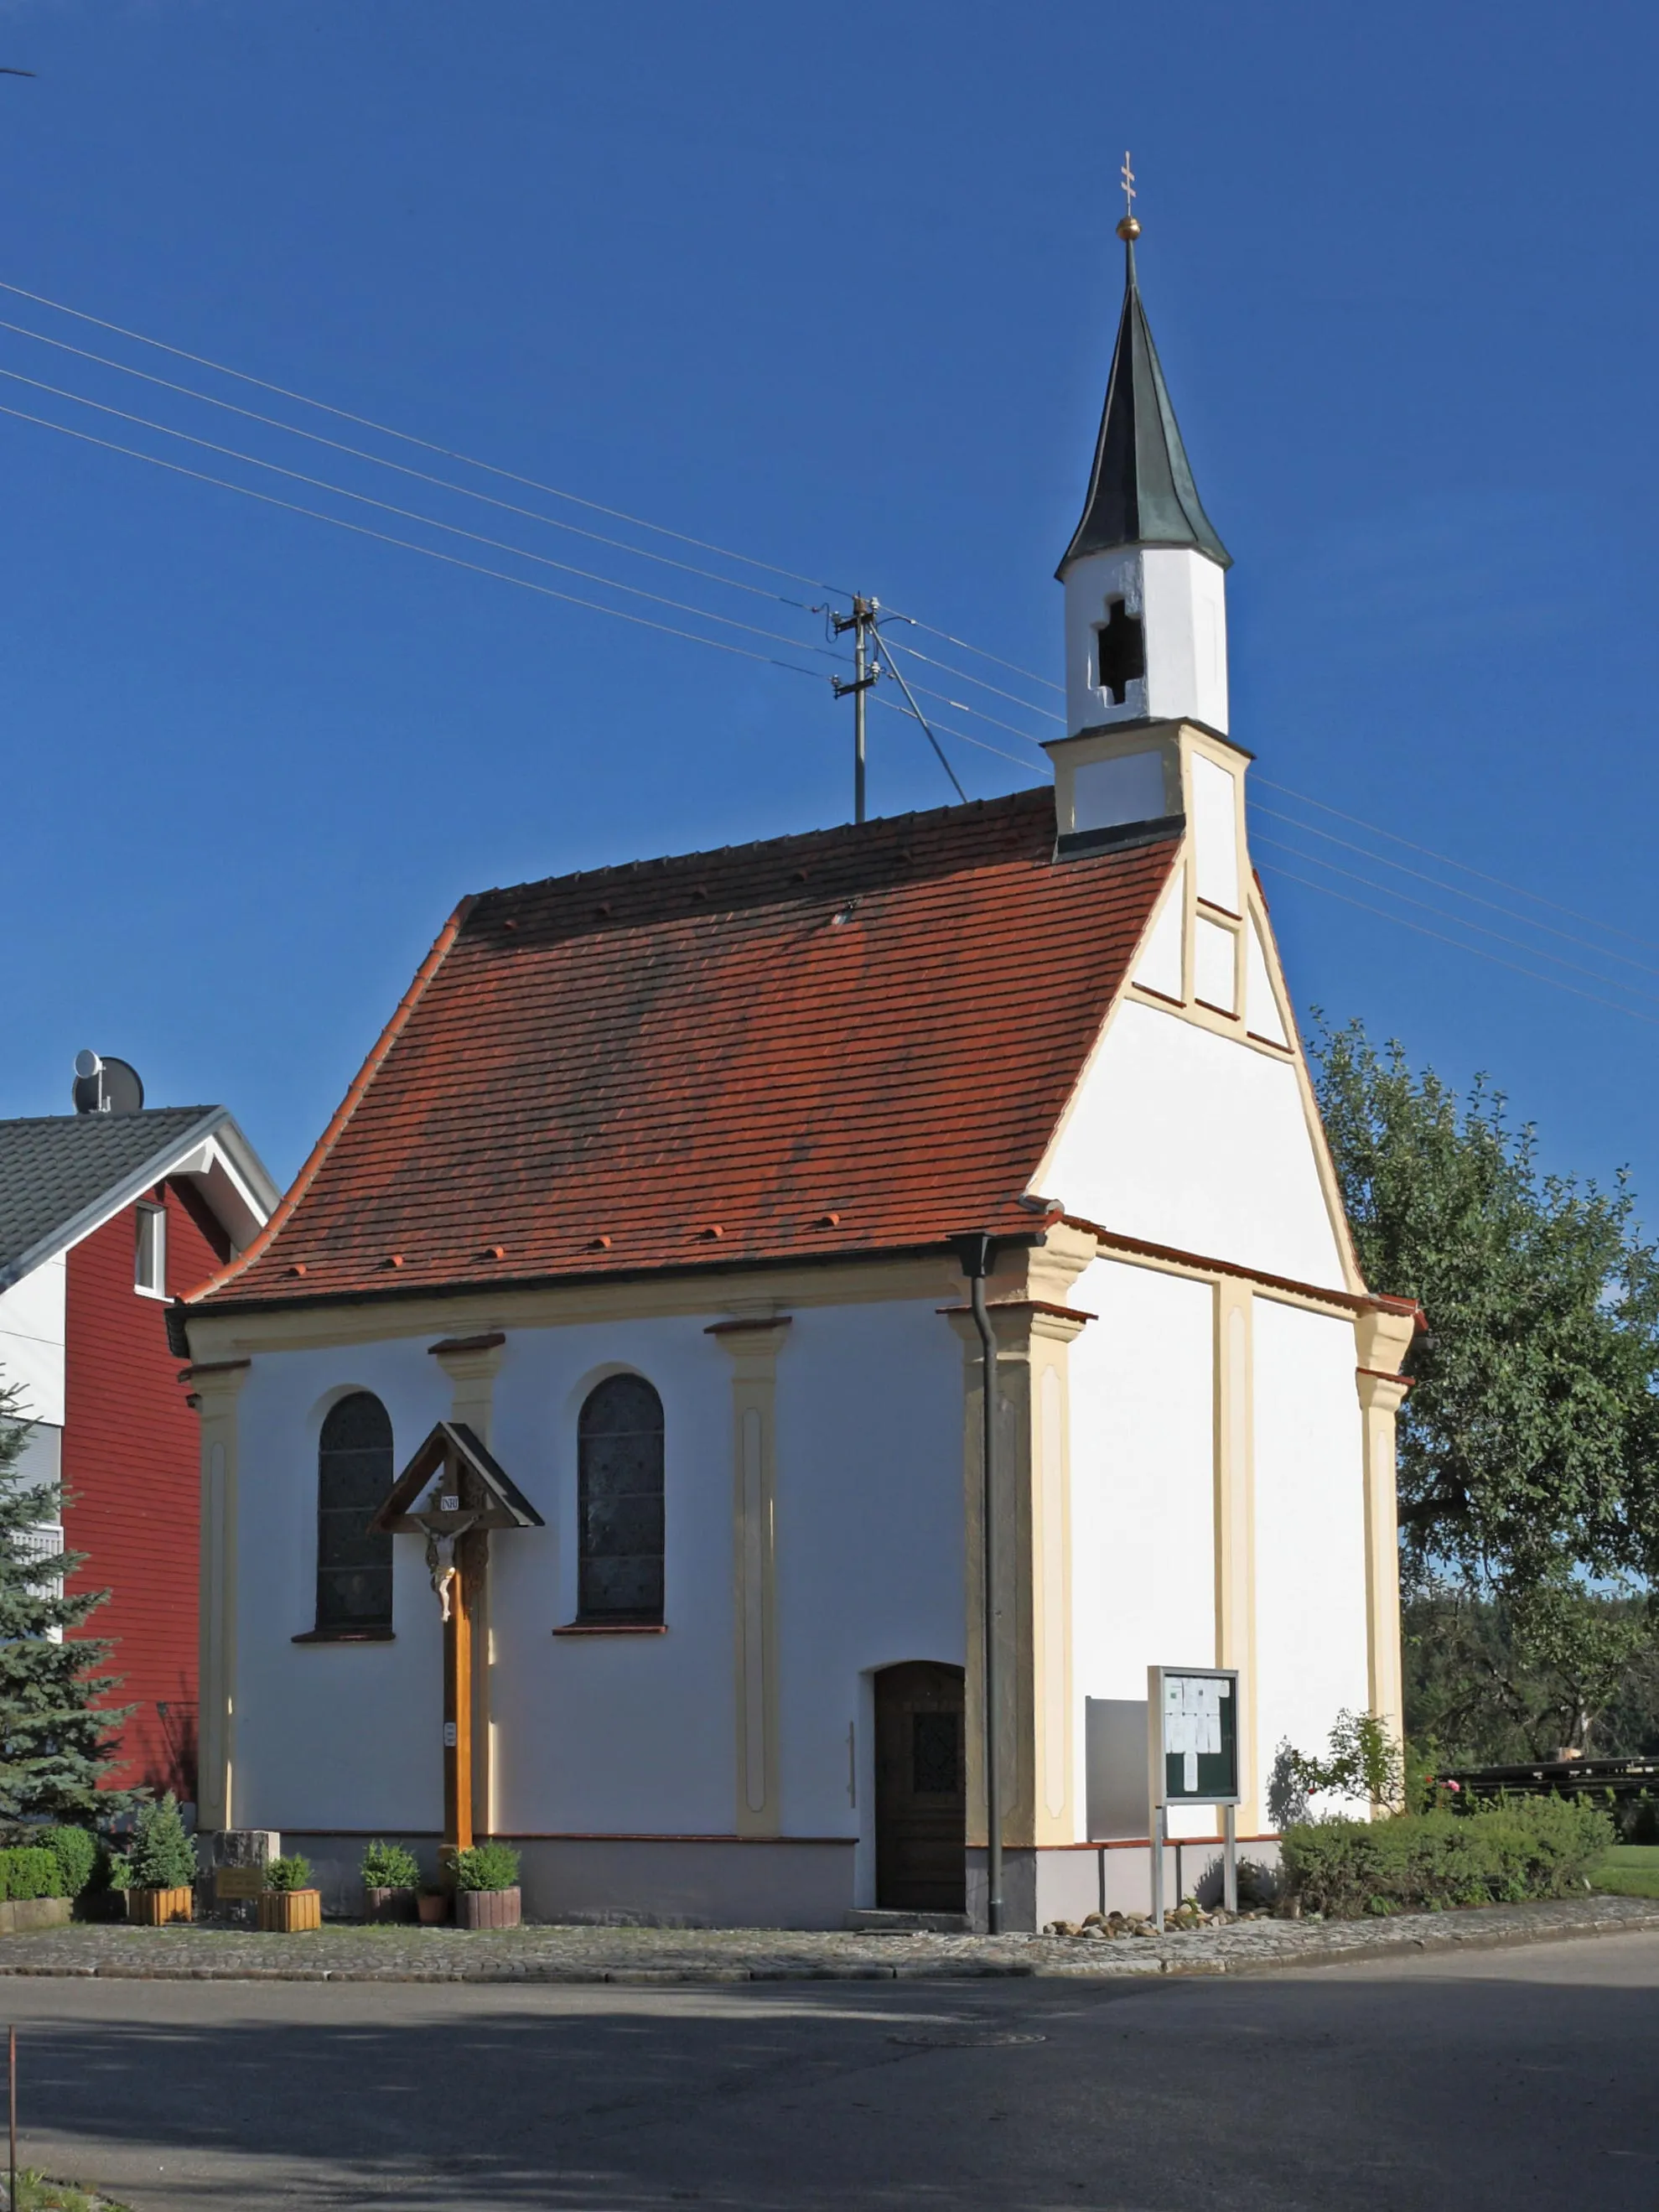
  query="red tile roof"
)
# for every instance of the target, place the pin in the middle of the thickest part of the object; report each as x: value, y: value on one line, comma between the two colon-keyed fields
x: 855, y: 1041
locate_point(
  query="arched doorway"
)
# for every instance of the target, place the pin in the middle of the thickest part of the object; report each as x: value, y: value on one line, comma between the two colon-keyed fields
x: 921, y: 1794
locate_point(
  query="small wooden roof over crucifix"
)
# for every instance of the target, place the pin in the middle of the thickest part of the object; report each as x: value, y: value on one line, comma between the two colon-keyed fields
x: 463, y: 1468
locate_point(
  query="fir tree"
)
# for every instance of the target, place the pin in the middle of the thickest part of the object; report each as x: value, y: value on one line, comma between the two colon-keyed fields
x: 55, y: 1734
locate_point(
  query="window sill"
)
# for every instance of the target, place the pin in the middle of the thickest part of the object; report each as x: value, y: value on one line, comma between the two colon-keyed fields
x: 143, y: 1291
x: 345, y: 1636
x: 613, y: 1628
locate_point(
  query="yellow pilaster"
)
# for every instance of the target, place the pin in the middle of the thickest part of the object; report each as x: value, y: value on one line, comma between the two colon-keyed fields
x: 215, y: 1387
x: 752, y: 1346
x: 1235, y: 1525
x: 1383, y: 1338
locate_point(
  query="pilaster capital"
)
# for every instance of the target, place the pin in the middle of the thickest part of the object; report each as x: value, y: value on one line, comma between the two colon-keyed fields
x: 470, y: 1358
x: 1383, y: 1335
x: 215, y: 1384
x: 752, y: 1340
x: 1017, y: 1324
x: 1385, y: 1393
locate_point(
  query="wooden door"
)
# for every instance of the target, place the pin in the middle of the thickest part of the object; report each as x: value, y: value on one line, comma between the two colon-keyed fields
x: 921, y: 1798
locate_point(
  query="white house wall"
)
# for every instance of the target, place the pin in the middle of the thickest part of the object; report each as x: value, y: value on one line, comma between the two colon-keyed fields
x: 32, y: 1341
x: 1185, y: 1139
x: 629, y: 1735
x: 1310, y: 1528
x: 1142, y: 1490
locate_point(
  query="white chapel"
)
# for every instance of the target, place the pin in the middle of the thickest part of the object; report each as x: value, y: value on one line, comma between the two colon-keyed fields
x: 665, y: 1238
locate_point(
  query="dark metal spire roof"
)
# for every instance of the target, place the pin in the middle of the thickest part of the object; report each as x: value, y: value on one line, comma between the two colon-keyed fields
x: 1141, y: 491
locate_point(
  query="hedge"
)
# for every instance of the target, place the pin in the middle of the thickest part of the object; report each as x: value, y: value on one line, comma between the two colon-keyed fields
x: 30, y: 1871
x: 76, y: 1852
x: 1502, y: 1853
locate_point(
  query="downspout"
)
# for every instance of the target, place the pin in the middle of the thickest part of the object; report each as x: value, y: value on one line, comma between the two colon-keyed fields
x: 976, y: 1254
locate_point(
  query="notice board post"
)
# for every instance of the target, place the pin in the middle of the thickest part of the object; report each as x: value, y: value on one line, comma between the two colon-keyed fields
x: 1191, y: 1758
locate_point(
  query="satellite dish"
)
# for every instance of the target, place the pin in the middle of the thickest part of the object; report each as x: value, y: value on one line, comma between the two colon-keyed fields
x: 106, y: 1086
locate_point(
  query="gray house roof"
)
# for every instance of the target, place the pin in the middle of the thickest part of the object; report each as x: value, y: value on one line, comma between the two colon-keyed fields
x: 1140, y: 490
x: 60, y: 1174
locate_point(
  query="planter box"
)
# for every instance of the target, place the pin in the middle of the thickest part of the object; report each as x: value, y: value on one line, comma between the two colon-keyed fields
x: 153, y: 1908
x: 289, y: 1911
x: 17, y: 1913
x: 436, y: 1908
x: 487, y: 1908
x: 388, y: 1904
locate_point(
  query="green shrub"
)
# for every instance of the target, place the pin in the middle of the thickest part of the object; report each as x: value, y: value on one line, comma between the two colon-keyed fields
x: 161, y: 1856
x: 1502, y: 1853
x: 27, y: 1870
x: 118, y: 1870
x: 291, y: 1872
x: 76, y: 1850
x: 389, y: 1866
x: 487, y: 1866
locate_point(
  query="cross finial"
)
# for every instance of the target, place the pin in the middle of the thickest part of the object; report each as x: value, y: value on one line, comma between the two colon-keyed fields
x: 1128, y: 228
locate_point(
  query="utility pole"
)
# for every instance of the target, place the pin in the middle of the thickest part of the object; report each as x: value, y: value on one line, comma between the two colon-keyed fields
x: 862, y: 623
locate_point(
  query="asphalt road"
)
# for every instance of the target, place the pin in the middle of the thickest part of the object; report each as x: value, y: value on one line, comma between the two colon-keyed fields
x: 1512, y: 2078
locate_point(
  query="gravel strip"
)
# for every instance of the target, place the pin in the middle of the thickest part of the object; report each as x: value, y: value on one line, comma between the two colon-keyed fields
x: 654, y: 1957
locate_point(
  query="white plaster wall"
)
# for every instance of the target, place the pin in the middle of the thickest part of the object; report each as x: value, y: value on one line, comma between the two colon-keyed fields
x: 1215, y: 832
x: 1310, y: 1528
x: 31, y: 1340
x: 616, y: 1733
x: 870, y: 1560
x: 330, y: 1736
x: 1143, y: 1490
x: 1180, y: 598
x: 1186, y: 1138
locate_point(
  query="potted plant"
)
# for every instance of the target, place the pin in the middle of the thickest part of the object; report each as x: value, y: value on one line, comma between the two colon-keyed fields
x: 392, y: 1878
x: 487, y: 1886
x: 288, y: 1904
x: 158, y: 1869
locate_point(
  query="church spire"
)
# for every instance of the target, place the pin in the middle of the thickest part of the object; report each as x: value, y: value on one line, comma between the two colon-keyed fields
x: 1145, y: 572
x: 1141, y: 491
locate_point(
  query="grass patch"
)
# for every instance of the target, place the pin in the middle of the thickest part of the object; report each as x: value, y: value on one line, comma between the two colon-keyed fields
x: 35, y: 2193
x: 1628, y: 1870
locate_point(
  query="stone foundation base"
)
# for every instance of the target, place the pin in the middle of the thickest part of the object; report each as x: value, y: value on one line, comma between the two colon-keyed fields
x: 1065, y: 1882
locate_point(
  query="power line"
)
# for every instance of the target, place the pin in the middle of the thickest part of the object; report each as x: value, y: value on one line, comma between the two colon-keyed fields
x: 898, y: 677
x: 916, y: 623
x: 1446, y: 859
x: 411, y: 514
x: 1554, y: 982
x: 1013, y: 698
x: 427, y: 445
x: 1454, y: 891
x: 961, y: 736
x: 1425, y: 906
x: 430, y: 552
x: 400, y: 468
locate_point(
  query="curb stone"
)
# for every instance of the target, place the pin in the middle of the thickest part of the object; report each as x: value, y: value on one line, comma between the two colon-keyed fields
x: 654, y: 1958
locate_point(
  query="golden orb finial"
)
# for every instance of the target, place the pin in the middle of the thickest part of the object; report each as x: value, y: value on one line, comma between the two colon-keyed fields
x: 1129, y: 229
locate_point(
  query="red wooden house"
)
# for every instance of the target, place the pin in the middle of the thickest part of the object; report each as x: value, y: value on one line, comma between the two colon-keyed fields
x: 106, y: 1214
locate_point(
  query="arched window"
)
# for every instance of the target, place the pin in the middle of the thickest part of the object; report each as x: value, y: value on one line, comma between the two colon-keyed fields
x: 354, y: 1474
x: 619, y: 1503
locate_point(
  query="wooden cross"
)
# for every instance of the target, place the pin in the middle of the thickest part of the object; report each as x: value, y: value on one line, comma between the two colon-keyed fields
x: 472, y: 1493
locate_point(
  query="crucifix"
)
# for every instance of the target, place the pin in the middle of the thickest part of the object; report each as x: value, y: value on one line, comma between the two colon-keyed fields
x: 470, y: 1496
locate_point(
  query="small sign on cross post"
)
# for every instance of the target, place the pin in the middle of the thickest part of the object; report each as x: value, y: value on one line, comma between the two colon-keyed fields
x: 1191, y: 1758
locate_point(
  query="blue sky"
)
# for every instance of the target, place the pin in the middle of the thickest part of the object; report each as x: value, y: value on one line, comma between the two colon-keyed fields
x: 836, y: 290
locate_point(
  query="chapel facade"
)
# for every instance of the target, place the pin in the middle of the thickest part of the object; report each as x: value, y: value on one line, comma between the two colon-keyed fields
x: 639, y: 1241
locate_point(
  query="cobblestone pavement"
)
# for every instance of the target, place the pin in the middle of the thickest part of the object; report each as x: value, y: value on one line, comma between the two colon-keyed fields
x: 342, y: 1952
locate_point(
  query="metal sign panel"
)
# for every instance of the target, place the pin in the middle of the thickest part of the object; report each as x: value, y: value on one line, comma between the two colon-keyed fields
x: 1192, y: 1731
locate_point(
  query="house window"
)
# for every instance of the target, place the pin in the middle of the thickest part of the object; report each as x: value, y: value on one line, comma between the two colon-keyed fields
x: 33, y: 1547
x: 619, y: 1459
x: 149, y: 1267
x: 354, y: 1474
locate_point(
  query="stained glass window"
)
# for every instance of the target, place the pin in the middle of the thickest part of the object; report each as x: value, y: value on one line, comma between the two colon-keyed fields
x: 354, y: 1474
x: 619, y: 1455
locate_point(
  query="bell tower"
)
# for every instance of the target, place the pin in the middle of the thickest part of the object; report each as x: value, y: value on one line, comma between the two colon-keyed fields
x: 1145, y: 572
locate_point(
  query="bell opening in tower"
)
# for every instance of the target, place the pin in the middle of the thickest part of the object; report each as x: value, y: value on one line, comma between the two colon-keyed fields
x: 1120, y: 652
